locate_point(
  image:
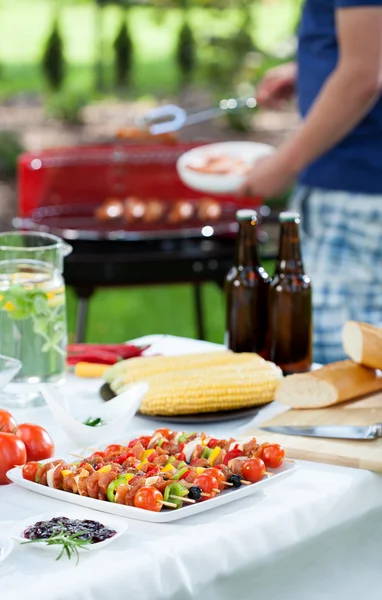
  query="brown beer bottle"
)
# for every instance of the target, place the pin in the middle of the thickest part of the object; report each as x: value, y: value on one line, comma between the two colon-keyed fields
x: 247, y: 287
x: 290, y: 303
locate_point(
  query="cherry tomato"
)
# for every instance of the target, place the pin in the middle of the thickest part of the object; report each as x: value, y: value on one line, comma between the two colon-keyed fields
x: 114, y: 448
x: 164, y: 432
x: 148, y: 498
x: 29, y: 470
x: 219, y: 476
x: 7, y: 422
x: 273, y: 456
x: 253, y: 469
x: 207, y: 483
x: 144, y: 440
x: 37, y: 441
x: 95, y: 454
x: 12, y: 453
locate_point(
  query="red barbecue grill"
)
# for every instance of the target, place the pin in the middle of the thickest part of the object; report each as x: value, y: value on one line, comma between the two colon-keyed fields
x: 129, y: 218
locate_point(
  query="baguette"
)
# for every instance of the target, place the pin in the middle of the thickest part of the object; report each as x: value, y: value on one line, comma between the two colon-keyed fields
x: 363, y: 343
x: 330, y: 385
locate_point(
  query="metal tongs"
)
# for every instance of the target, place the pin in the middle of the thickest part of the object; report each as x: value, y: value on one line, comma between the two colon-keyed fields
x: 170, y: 118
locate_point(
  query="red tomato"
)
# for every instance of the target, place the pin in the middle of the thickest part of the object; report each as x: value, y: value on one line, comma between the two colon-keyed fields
x: 207, y: 483
x: 37, y: 441
x: 273, y: 456
x: 7, y: 422
x: 29, y: 470
x: 114, y: 448
x: 144, y: 440
x: 219, y: 476
x: 12, y: 453
x: 253, y: 470
x: 148, y: 498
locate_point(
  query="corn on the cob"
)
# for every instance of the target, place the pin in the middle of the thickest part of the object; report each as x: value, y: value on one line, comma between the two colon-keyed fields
x: 242, y: 383
x: 137, y: 369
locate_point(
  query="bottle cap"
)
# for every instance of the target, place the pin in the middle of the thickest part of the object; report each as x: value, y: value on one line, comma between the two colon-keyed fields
x: 246, y: 214
x: 289, y: 217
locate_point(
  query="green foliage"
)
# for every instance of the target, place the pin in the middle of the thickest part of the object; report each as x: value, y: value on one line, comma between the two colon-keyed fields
x: 53, y: 60
x: 10, y: 148
x: 123, y: 55
x: 67, y: 106
x: 186, y: 51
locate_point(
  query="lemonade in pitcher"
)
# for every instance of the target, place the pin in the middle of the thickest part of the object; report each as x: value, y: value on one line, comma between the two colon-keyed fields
x: 33, y: 309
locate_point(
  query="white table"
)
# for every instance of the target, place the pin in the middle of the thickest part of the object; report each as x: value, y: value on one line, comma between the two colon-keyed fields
x: 317, y: 535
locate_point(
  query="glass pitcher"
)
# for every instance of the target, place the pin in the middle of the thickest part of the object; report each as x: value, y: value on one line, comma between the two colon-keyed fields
x: 32, y: 304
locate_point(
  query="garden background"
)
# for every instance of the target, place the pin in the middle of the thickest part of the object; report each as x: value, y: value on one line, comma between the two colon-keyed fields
x: 74, y: 71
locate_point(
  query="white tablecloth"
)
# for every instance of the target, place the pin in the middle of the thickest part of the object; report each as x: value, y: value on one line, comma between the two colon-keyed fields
x: 316, y: 535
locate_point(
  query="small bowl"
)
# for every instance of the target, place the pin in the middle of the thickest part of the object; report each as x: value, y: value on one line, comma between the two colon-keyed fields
x: 116, y: 413
x: 9, y: 367
x: 119, y: 525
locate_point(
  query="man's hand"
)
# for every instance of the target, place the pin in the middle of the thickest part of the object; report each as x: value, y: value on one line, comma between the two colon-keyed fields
x: 270, y: 177
x: 277, y: 86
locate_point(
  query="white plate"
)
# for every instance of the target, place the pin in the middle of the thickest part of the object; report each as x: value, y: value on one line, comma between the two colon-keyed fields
x: 219, y: 184
x: 116, y: 413
x: 6, y: 546
x: 165, y: 515
x: 119, y: 525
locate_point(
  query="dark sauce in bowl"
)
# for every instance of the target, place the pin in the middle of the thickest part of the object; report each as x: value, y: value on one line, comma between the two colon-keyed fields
x: 93, y: 531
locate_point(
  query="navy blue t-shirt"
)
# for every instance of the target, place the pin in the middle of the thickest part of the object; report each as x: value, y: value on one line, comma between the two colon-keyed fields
x: 355, y: 164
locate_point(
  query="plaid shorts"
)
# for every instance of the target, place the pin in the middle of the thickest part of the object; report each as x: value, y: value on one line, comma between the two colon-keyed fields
x: 341, y: 236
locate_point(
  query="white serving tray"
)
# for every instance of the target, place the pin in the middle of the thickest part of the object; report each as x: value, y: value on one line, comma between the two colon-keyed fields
x: 165, y: 515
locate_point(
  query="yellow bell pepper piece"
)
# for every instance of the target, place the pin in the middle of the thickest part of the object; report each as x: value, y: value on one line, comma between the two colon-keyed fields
x: 200, y: 470
x: 66, y: 472
x: 105, y: 469
x: 213, y: 456
x: 168, y: 468
x: 147, y: 453
x: 129, y: 476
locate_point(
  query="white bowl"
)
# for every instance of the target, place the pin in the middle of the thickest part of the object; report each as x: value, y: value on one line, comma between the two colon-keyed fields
x: 219, y: 184
x: 119, y: 525
x: 117, y: 414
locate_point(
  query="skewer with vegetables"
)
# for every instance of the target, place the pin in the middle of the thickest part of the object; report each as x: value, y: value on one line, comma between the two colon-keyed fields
x: 168, y: 469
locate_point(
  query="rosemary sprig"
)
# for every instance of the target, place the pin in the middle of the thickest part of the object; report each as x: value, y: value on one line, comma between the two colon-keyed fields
x: 70, y: 543
x: 93, y: 422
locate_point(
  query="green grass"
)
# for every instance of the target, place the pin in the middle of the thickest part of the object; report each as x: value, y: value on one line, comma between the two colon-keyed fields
x: 24, y: 26
x: 120, y: 314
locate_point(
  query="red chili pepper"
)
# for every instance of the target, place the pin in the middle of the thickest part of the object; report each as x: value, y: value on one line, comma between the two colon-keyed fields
x: 107, y: 354
x: 181, y: 447
x: 235, y: 453
x: 212, y: 443
x: 185, y: 474
x: 121, y: 459
x: 181, y: 456
x: 152, y: 457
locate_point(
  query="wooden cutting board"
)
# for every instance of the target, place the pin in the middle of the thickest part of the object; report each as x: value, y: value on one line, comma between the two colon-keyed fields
x: 348, y: 453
